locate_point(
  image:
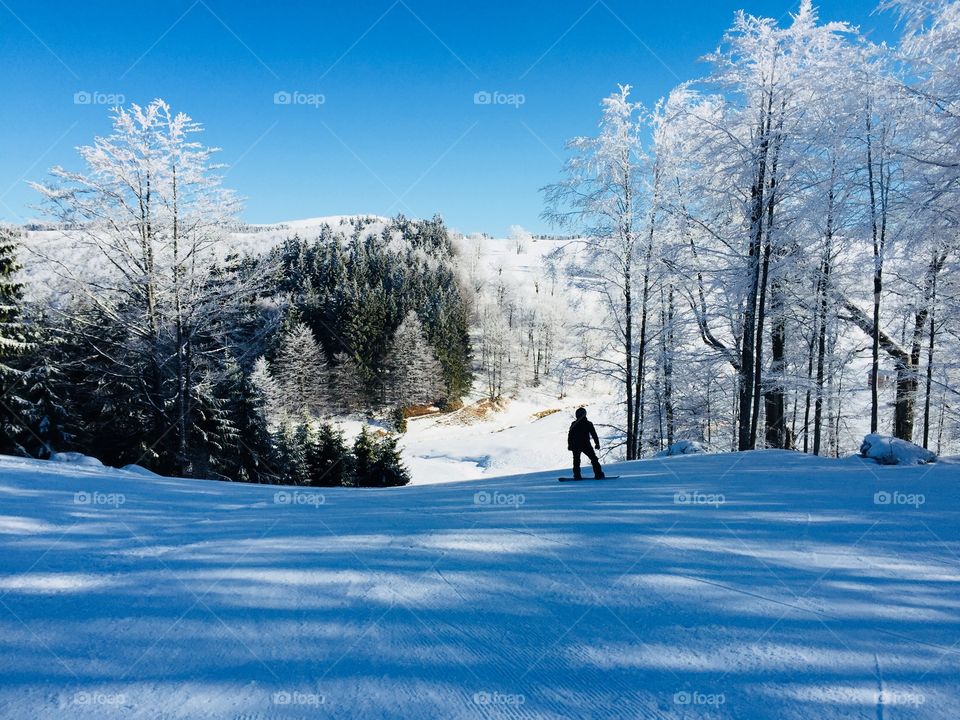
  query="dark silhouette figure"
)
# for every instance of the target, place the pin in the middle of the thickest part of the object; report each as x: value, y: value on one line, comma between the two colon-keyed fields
x: 578, y: 441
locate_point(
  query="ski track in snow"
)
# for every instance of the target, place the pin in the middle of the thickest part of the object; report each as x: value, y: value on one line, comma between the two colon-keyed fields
x: 776, y: 589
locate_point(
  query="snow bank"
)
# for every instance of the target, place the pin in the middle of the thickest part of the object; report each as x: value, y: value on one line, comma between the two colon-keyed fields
x: 888, y: 450
x: 684, y: 447
x: 139, y: 470
x: 75, y: 458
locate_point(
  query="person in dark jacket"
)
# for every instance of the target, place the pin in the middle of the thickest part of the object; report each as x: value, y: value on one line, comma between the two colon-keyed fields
x: 578, y: 441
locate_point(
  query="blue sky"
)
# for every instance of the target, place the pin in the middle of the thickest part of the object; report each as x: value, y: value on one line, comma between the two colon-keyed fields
x: 398, y: 129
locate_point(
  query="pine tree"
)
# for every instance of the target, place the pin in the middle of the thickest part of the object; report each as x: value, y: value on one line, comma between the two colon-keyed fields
x: 250, y: 456
x: 377, y: 462
x: 300, y: 371
x: 266, y: 392
x: 291, y: 442
x: 13, y: 343
x: 44, y: 396
x: 328, y: 458
x: 414, y: 375
x: 351, y: 392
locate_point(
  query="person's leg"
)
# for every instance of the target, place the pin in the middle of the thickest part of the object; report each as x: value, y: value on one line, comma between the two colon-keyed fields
x: 576, y: 464
x: 597, y: 470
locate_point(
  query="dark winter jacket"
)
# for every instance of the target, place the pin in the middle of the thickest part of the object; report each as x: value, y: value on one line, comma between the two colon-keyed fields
x: 580, y: 433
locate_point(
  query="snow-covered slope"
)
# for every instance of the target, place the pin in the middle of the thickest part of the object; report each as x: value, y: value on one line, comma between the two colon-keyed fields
x: 757, y: 585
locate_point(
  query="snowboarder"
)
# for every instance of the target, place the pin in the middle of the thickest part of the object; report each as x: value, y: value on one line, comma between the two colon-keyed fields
x: 578, y: 441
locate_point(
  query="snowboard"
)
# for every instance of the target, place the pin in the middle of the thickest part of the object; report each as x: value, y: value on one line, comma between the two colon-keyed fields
x: 572, y: 479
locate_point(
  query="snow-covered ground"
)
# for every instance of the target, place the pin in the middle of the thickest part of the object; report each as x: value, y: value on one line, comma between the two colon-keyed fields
x: 756, y: 585
x: 520, y: 435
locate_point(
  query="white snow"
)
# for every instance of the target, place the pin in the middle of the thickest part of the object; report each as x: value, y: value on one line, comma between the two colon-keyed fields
x: 684, y: 447
x: 888, y: 450
x: 75, y: 458
x: 754, y: 585
x: 527, y: 433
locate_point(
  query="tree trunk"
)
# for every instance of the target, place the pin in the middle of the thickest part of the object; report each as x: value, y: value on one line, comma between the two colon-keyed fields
x: 746, y: 434
x: 929, y: 379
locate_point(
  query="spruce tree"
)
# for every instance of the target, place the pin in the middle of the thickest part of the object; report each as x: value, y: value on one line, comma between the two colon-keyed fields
x: 377, y: 461
x: 414, y: 376
x: 328, y: 461
x: 300, y: 371
x: 45, y: 390
x: 13, y: 344
x: 351, y: 392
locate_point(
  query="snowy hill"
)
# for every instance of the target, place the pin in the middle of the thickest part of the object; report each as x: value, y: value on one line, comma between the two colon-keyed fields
x: 756, y: 585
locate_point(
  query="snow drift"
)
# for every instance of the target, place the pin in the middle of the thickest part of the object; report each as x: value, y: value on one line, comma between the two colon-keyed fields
x: 888, y: 450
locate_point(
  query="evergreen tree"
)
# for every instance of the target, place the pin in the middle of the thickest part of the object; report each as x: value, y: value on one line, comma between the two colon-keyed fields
x: 414, y: 375
x: 351, y: 392
x: 250, y: 457
x: 300, y: 371
x: 328, y: 458
x: 266, y: 392
x: 13, y: 343
x: 291, y: 442
x: 377, y: 462
x: 45, y: 408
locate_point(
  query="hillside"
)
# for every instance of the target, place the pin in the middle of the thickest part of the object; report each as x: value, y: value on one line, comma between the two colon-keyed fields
x: 757, y: 585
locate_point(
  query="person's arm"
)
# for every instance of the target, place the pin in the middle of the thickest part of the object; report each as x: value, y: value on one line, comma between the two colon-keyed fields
x: 596, y: 440
x: 570, y: 438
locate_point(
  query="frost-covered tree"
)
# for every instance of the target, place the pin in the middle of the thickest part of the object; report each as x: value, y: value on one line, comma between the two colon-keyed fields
x: 520, y: 239
x: 351, y: 393
x: 603, y: 196
x: 414, y: 375
x: 14, y: 341
x: 146, y: 219
x: 268, y: 397
x: 301, y: 374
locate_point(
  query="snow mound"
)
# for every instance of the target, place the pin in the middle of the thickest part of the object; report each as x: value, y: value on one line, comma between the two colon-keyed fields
x: 888, y: 450
x: 684, y: 447
x: 75, y: 458
x: 138, y: 470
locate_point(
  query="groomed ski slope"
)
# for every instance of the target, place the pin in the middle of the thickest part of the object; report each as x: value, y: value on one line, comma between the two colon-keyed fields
x: 756, y: 585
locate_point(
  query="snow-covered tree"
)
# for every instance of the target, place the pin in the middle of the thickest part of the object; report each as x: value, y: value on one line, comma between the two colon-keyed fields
x: 14, y: 341
x: 146, y: 218
x: 301, y: 374
x: 520, y: 239
x: 350, y: 391
x: 603, y: 195
x: 415, y: 376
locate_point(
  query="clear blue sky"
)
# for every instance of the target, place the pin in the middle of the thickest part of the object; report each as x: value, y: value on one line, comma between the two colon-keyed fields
x: 398, y: 129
